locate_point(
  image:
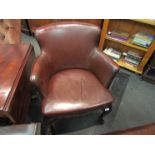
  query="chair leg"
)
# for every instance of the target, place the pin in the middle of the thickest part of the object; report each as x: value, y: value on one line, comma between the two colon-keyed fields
x: 48, y: 126
x: 106, y: 110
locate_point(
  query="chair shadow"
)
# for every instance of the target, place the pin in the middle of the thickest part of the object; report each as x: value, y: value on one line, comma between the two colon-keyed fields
x: 78, y: 122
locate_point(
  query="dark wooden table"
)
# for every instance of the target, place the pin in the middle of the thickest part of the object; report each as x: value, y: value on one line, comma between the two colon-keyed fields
x: 15, y: 68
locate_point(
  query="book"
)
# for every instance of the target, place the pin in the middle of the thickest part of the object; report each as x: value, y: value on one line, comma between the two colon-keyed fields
x: 132, y: 58
x: 118, y: 35
x: 141, y: 42
x: 142, y: 39
x: 144, y: 36
x: 134, y: 55
x: 112, y: 53
x: 131, y: 61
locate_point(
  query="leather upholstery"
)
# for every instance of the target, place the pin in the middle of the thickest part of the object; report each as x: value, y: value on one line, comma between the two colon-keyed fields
x: 23, y: 129
x: 69, y: 56
x: 73, y: 91
x: 10, y: 31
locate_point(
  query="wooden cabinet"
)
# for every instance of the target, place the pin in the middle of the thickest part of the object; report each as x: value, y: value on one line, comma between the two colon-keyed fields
x: 132, y: 27
x: 35, y: 23
x: 15, y: 67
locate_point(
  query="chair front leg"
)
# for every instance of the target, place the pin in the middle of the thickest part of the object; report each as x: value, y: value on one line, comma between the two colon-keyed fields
x: 106, y: 110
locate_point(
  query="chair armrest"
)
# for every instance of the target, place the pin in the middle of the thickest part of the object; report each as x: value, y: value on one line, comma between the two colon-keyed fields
x: 103, y: 67
x: 40, y: 74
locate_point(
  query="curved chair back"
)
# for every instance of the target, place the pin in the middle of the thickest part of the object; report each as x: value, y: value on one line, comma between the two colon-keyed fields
x: 68, y: 44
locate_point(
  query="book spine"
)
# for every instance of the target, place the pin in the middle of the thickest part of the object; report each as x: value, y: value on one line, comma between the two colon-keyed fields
x: 123, y: 34
x: 141, y: 41
x: 118, y: 38
x: 131, y: 61
x: 133, y: 57
x: 140, y: 44
x: 144, y: 36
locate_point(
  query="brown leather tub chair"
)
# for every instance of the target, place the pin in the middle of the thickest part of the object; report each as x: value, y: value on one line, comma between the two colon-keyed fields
x: 71, y: 73
x: 10, y: 31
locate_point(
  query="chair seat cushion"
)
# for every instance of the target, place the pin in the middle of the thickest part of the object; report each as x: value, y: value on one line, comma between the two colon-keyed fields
x: 72, y: 91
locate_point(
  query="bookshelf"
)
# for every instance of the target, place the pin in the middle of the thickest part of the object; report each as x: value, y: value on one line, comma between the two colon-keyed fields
x: 122, y: 63
x: 145, y: 21
x: 132, y: 26
x: 126, y: 43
